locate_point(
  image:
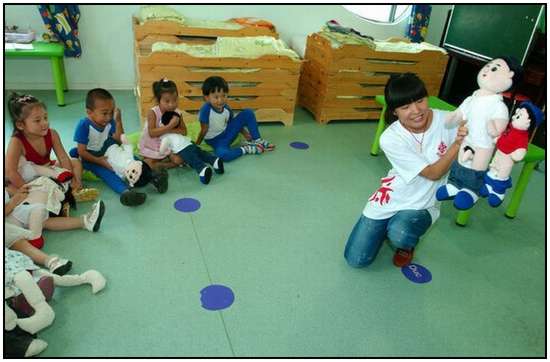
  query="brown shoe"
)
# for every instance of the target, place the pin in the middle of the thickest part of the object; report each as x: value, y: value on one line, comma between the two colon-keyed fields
x: 402, y: 257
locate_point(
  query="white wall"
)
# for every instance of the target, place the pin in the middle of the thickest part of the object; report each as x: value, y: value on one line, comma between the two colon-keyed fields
x: 107, y: 40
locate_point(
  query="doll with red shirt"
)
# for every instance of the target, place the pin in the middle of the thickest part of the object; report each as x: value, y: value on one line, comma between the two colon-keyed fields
x: 511, y: 147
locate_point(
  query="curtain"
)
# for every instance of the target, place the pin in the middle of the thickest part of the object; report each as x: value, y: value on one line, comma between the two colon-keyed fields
x: 418, y: 23
x: 62, y: 21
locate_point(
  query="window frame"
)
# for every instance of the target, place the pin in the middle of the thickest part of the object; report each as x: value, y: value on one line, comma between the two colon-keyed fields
x: 391, y: 18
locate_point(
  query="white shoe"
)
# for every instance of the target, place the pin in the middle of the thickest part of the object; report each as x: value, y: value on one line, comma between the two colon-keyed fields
x: 59, y: 265
x: 92, y: 220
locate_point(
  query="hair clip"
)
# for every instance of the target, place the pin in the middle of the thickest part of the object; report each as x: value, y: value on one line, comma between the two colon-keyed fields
x: 24, y: 98
x: 165, y: 80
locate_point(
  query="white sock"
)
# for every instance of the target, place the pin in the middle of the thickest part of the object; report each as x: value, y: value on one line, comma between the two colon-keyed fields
x: 203, y: 171
x: 215, y: 165
x: 452, y: 190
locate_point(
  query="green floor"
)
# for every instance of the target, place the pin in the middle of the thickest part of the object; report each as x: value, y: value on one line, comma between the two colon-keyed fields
x: 273, y: 229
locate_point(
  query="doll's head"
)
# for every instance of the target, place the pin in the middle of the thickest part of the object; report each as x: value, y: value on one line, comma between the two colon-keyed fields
x: 167, y: 116
x: 138, y: 173
x: 526, y: 115
x: 500, y: 74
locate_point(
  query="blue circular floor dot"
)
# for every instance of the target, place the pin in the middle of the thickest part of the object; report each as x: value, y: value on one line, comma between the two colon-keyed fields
x: 187, y: 205
x: 299, y: 145
x: 216, y: 297
x: 416, y: 273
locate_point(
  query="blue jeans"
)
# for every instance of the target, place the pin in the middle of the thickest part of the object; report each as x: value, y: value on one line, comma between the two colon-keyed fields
x: 465, y: 178
x: 404, y: 230
x: 108, y: 176
x: 222, y: 142
x: 195, y: 157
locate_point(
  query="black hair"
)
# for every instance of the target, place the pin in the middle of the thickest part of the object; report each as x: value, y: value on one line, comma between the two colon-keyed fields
x: 532, y: 117
x: 19, y: 106
x: 214, y: 84
x: 95, y: 94
x: 167, y: 116
x: 146, y: 175
x: 402, y: 89
x: 164, y: 86
x: 515, y: 66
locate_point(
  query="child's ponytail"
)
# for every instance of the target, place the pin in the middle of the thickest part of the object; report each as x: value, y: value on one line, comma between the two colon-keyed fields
x: 164, y: 86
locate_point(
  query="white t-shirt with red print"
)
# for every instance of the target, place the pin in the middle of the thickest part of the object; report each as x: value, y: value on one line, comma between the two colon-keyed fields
x: 404, y: 188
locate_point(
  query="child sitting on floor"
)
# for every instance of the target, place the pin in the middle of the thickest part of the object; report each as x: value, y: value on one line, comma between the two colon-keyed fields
x: 95, y: 134
x: 173, y: 132
x: 219, y: 127
x: 32, y: 143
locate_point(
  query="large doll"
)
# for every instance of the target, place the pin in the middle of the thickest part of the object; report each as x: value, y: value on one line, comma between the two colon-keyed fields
x: 121, y: 158
x: 511, y: 147
x: 486, y: 115
x: 28, y: 297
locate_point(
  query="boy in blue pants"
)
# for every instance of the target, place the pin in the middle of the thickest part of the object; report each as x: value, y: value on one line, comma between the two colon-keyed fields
x: 94, y: 134
x: 219, y: 127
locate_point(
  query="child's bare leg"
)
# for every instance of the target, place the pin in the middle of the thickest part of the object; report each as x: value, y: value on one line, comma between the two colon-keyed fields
x: 76, y: 182
x: 158, y: 165
x: 37, y: 255
x: 63, y: 223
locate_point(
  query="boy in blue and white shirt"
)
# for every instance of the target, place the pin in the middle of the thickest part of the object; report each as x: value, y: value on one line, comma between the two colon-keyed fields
x: 219, y: 127
x: 98, y: 131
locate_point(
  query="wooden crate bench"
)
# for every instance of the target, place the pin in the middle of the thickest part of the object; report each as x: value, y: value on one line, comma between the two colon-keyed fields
x: 267, y: 84
x: 165, y: 27
x: 341, y: 83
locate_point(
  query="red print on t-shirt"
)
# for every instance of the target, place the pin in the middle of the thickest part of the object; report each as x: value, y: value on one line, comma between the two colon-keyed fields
x: 382, y: 195
x: 441, y: 149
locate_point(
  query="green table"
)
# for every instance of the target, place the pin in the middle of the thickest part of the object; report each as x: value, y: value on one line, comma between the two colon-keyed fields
x: 54, y: 51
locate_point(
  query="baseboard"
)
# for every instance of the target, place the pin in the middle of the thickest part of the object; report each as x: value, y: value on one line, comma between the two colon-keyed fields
x: 73, y: 86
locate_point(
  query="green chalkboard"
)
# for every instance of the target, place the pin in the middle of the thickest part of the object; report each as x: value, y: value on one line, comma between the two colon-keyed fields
x: 487, y: 31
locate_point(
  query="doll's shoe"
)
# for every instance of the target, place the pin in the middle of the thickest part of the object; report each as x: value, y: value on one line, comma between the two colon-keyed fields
x: 59, y: 265
x: 20, y: 304
x: 218, y: 166
x: 89, y: 194
x: 160, y: 181
x: 92, y: 220
x: 38, y: 242
x: 64, y: 176
x: 132, y: 198
x: 465, y: 199
x: 443, y: 193
x: 402, y: 257
x: 205, y: 175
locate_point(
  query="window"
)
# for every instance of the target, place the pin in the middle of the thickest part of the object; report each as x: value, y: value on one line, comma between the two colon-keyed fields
x: 380, y: 13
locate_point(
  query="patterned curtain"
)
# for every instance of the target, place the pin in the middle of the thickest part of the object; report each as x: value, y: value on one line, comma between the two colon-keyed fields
x: 418, y: 23
x: 62, y: 21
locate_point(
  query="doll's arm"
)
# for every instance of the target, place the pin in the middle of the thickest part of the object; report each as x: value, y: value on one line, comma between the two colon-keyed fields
x: 518, y: 154
x: 496, y: 126
x: 453, y: 119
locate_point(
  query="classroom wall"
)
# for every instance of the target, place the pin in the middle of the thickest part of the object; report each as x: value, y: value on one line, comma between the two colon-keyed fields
x: 107, y: 39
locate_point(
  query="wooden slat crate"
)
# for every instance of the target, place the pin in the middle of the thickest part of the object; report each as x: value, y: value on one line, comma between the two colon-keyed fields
x: 340, y: 84
x: 268, y: 84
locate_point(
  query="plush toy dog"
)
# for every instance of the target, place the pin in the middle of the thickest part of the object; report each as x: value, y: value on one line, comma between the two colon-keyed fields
x: 487, y: 117
x: 511, y: 148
